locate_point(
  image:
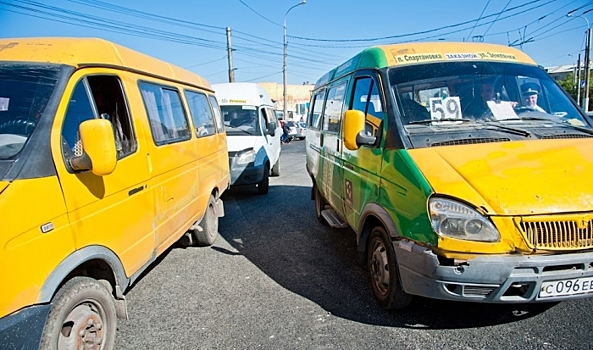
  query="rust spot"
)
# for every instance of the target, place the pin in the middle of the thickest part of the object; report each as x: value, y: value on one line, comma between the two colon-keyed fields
x: 8, y: 46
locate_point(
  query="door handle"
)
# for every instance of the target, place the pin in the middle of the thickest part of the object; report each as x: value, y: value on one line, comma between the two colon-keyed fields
x: 136, y: 190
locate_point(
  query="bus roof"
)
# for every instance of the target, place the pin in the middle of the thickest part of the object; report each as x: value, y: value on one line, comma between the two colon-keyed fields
x: 81, y: 52
x: 422, y: 52
x: 242, y: 94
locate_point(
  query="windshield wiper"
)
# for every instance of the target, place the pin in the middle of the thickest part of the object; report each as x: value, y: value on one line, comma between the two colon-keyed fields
x: 428, y: 121
x: 236, y: 128
x: 508, y: 129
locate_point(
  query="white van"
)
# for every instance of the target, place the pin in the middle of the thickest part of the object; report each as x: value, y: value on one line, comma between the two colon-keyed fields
x: 253, y: 133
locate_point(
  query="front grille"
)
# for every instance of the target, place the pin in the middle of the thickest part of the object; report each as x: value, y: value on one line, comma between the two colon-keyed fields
x: 558, y: 233
x: 470, y: 141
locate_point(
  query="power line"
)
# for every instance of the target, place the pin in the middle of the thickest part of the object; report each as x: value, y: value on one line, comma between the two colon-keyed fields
x: 257, y: 13
x: 479, y: 18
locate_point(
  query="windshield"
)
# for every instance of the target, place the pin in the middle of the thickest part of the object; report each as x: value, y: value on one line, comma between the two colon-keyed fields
x: 242, y: 120
x: 495, y: 101
x: 24, y: 91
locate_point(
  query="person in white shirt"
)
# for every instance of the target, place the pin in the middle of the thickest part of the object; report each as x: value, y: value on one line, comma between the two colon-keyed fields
x: 530, y: 92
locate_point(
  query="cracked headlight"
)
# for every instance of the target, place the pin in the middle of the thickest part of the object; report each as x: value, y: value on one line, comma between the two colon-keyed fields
x: 246, y: 156
x: 457, y: 220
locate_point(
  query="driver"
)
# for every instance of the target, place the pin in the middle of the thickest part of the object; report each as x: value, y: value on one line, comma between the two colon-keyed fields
x: 530, y: 92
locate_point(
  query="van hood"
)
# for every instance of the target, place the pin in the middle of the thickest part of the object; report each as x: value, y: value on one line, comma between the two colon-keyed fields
x: 514, y: 178
x: 3, y: 185
x: 239, y: 143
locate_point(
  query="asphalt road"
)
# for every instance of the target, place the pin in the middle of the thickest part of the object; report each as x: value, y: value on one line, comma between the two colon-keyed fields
x: 278, y: 279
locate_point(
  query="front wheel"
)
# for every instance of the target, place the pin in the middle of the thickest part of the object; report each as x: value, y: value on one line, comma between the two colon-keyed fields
x: 264, y: 185
x: 384, y: 272
x: 82, y: 316
x: 207, y: 231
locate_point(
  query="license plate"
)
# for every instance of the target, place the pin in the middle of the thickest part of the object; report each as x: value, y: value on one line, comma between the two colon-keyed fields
x: 566, y: 287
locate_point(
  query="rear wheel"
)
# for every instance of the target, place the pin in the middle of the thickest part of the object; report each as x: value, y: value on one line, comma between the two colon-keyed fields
x: 384, y: 272
x: 264, y: 185
x: 320, y: 205
x: 207, y: 231
x: 276, y: 168
x: 82, y: 316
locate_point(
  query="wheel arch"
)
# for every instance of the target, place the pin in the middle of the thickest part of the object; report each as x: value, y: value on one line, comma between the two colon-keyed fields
x: 372, y: 215
x: 93, y: 261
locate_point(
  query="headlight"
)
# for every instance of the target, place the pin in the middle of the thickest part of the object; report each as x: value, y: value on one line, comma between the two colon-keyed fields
x: 457, y: 220
x: 246, y: 156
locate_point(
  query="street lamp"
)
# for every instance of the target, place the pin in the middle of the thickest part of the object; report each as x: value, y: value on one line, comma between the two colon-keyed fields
x: 284, y: 63
x: 587, y: 69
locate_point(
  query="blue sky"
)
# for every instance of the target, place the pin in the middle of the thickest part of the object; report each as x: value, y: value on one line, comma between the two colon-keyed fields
x: 321, y: 33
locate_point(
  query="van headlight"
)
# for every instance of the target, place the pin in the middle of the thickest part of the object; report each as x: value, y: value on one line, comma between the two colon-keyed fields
x: 457, y: 220
x: 246, y: 156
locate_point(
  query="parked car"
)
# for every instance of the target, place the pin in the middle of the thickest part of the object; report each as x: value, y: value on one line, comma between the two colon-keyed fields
x: 301, y: 130
x: 293, y: 129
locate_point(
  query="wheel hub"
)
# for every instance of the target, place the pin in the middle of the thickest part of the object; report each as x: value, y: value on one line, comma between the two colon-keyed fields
x: 82, y: 330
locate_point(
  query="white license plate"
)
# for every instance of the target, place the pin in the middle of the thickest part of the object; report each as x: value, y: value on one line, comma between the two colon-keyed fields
x: 566, y: 287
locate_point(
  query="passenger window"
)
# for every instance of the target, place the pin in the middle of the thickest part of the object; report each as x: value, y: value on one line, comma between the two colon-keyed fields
x: 165, y: 113
x: 316, y: 110
x: 79, y: 109
x: 201, y: 113
x: 366, y: 99
x: 333, y: 108
x: 111, y: 104
x: 217, y: 114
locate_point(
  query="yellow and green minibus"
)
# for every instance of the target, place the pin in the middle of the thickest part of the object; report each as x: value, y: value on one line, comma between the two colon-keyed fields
x: 464, y: 170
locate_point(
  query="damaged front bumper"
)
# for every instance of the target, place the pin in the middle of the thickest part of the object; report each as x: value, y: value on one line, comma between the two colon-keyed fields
x: 495, y: 278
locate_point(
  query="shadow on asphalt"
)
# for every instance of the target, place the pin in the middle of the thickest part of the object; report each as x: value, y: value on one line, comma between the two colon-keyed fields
x: 280, y: 234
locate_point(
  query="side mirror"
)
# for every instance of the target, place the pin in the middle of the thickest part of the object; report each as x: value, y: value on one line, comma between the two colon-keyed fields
x: 354, y: 136
x: 98, y: 144
x: 272, y: 129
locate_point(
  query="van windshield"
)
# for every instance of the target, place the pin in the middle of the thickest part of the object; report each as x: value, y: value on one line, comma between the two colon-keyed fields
x: 242, y: 120
x: 24, y: 92
x: 474, y: 102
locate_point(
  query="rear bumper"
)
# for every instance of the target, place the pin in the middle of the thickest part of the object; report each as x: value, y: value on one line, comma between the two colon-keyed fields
x: 22, y: 330
x: 490, y: 278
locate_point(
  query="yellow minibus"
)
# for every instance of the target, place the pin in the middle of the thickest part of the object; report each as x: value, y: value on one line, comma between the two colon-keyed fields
x: 107, y: 157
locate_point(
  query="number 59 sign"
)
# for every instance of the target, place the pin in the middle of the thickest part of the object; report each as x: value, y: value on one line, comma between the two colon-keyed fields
x: 447, y: 108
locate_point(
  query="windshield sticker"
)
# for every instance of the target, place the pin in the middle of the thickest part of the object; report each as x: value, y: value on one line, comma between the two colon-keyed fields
x: 4, y: 103
x: 445, y: 108
x: 462, y: 56
x: 251, y: 108
x: 421, y: 57
x: 498, y: 56
x: 502, y: 110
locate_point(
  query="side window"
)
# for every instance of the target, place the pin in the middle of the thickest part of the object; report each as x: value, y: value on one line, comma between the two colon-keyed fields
x: 165, y: 113
x: 79, y: 109
x: 201, y: 113
x: 316, y: 109
x: 217, y: 114
x: 332, y: 115
x: 366, y: 99
x: 111, y: 104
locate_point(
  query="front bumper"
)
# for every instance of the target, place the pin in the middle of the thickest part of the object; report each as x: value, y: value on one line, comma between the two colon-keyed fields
x: 489, y: 278
x: 22, y: 330
x: 245, y: 174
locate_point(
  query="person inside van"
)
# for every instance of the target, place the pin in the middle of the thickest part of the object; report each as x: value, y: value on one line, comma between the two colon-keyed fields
x: 530, y: 92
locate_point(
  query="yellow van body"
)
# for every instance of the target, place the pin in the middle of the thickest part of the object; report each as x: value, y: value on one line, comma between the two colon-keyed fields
x: 458, y: 186
x: 119, y: 155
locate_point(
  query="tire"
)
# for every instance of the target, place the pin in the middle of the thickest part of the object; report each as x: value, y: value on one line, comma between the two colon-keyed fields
x: 320, y: 205
x: 383, y: 270
x: 276, y: 168
x: 264, y: 185
x: 82, y: 314
x: 207, y: 232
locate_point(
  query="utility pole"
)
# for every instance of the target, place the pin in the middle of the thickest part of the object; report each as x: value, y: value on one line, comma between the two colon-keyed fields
x: 230, y: 55
x: 578, y: 75
x: 587, y: 70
